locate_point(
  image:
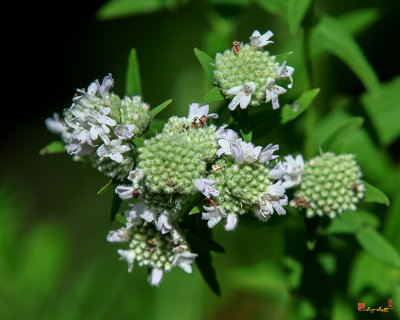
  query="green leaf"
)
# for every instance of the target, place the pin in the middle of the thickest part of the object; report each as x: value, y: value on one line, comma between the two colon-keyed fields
x: 291, y: 112
x: 116, y: 204
x: 115, y: 9
x: 340, y: 134
x: 120, y: 218
x: 54, y: 147
x: 133, y: 86
x: 383, y: 110
x: 373, y: 194
x: 296, y: 10
x: 139, y: 142
x: 376, y: 245
x: 160, y: 108
x: 206, y: 62
x: 273, y: 6
x: 355, y: 22
x: 353, y: 221
x: 283, y: 56
x: 204, y: 263
x: 213, y: 95
x: 331, y: 36
x: 247, y: 136
x: 196, y: 209
x: 107, y: 187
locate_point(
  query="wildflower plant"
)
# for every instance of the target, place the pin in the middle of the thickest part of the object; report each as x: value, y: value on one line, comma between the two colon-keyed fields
x: 176, y: 180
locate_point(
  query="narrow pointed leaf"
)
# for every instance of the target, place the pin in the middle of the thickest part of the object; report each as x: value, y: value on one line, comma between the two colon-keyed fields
x: 206, y: 62
x: 54, y: 147
x: 203, y: 261
x: 296, y: 10
x: 213, y: 95
x: 331, y: 36
x: 355, y: 22
x: 160, y: 108
x: 291, y: 112
x: 203, y: 243
x: 196, y: 209
x: 133, y: 85
x: 107, y: 187
x: 283, y: 56
x: 373, y: 194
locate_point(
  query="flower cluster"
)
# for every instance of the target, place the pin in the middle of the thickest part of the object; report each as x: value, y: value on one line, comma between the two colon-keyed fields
x: 327, y: 185
x: 250, y: 74
x: 99, y: 126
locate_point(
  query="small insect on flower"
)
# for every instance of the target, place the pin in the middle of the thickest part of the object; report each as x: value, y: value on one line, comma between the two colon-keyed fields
x: 210, y: 202
x: 299, y: 203
x: 135, y: 194
x: 236, y: 47
x: 216, y: 168
x: 201, y: 121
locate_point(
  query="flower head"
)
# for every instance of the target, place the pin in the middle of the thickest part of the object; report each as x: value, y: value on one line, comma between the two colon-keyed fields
x: 242, y: 95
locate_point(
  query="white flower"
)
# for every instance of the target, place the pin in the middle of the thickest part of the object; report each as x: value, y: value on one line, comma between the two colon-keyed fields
x: 128, y: 256
x: 120, y: 235
x: 113, y: 150
x: 231, y: 222
x: 295, y: 168
x: 285, y: 71
x: 267, y: 153
x: 230, y: 148
x: 124, y: 131
x: 226, y: 134
x: 257, y: 40
x: 272, y: 91
x: 136, y: 176
x: 132, y: 216
x: 274, y: 199
x: 278, y: 171
x: 198, y: 111
x: 183, y: 258
x: 124, y: 192
x: 54, y: 124
x: 242, y: 95
x: 250, y: 152
x: 163, y: 224
x: 205, y: 187
x: 213, y: 215
x: 140, y: 209
x: 156, y: 276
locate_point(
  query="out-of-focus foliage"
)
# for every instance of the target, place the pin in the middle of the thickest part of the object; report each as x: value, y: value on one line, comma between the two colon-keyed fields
x: 57, y: 265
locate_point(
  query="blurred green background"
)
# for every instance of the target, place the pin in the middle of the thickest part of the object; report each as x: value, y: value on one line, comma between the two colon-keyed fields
x: 55, y: 262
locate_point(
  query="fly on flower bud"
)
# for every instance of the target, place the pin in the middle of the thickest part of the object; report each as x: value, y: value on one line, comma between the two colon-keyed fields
x: 236, y: 47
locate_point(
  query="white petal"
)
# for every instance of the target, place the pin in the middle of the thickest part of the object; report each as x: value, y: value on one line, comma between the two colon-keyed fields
x: 213, y: 221
x: 235, y: 102
x: 244, y: 100
x: 117, y: 157
x: 156, y: 276
x: 235, y: 90
x: 231, y: 222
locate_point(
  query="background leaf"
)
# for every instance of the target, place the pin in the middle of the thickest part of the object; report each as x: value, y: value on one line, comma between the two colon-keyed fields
x: 291, y: 112
x: 213, y: 95
x: 114, y: 9
x: 133, y: 85
x: 334, y: 38
x: 376, y: 245
x: 296, y: 10
x: 206, y: 62
x: 373, y: 194
x: 383, y: 107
